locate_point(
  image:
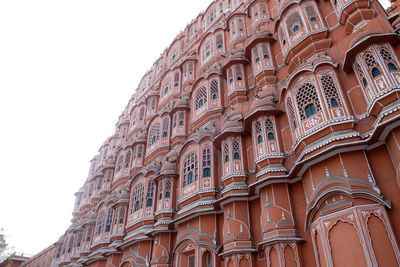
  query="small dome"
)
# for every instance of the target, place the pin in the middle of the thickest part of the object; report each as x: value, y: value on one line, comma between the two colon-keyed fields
x: 168, y: 168
x: 182, y: 103
x: 124, y: 196
x: 263, y: 101
x: 141, y: 137
x: 232, y: 122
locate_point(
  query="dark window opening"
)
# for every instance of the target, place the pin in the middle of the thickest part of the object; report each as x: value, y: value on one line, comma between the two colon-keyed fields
x: 226, y: 158
x: 206, y: 172
x: 334, y: 102
x: 392, y: 67
x: 375, y: 72
x: 271, y: 136
x: 310, y: 110
x: 190, y: 178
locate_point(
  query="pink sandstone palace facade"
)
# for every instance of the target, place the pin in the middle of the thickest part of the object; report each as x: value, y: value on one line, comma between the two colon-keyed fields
x: 267, y: 134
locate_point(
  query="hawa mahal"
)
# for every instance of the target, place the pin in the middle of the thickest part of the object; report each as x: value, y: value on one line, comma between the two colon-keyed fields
x: 266, y: 134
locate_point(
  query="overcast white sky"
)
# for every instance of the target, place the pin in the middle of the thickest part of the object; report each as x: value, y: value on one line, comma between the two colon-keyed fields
x: 67, y: 70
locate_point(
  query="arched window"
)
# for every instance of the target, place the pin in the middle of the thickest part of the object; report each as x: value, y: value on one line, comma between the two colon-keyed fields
x: 89, y: 234
x: 100, y: 223
x: 214, y: 89
x: 166, y: 85
x: 119, y: 163
x: 154, y: 133
x: 264, y: 50
x: 294, y: 23
x: 330, y: 90
x: 388, y: 59
x: 226, y: 153
x: 121, y: 216
x: 372, y: 65
x: 128, y: 159
x: 236, y: 149
x: 256, y: 54
x: 269, y: 129
x: 150, y: 194
x: 238, y: 72
x: 91, y: 189
x: 109, y: 220
x: 141, y: 113
x: 137, y: 198
x: 360, y: 74
x: 176, y: 79
x: 79, y: 241
x: 160, y: 190
x: 174, y: 119
x: 219, y: 41
x: 190, y: 169
x: 58, y: 252
x: 311, y: 14
x: 99, y: 184
x: 165, y: 127
x: 307, y: 101
x: 230, y: 75
x: 206, y: 162
x: 71, y: 243
x: 201, y: 97
x: 168, y: 189
x: 181, y: 118
x: 258, y: 132
x: 140, y: 152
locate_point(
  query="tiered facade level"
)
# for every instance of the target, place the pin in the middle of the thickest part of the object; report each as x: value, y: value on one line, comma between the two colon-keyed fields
x: 267, y: 134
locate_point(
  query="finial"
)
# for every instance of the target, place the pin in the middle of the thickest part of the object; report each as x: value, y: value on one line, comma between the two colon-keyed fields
x: 241, y: 228
x: 327, y: 174
x: 312, y: 185
x: 373, y: 182
x: 370, y: 178
x: 267, y: 203
x: 283, y: 216
x: 268, y: 219
x: 345, y: 172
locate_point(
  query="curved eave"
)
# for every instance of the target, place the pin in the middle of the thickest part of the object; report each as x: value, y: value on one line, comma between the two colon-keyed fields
x: 364, y: 42
x: 168, y: 173
x: 238, y: 58
x: 263, y: 110
x: 255, y: 38
x: 182, y: 107
x: 227, y: 132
